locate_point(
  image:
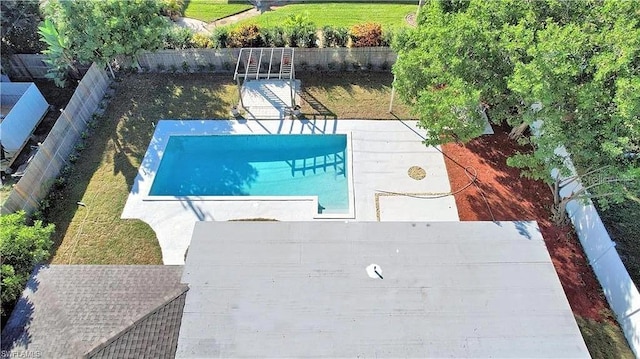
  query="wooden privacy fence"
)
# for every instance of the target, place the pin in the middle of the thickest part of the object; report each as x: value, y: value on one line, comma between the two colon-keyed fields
x: 217, y: 59
x: 30, y: 66
x: 24, y: 67
x: 224, y: 60
x: 54, y: 152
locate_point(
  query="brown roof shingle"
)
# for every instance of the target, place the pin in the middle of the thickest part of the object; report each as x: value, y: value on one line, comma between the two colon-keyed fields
x: 104, y: 310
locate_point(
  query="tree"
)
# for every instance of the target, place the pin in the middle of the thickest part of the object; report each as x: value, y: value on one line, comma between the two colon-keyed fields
x: 58, y: 55
x: 584, y: 79
x: 573, y: 65
x: 20, y: 21
x: 21, y: 247
x: 101, y: 30
x: 454, y: 66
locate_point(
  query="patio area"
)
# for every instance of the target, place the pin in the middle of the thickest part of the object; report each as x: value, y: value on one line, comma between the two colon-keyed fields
x: 382, y: 190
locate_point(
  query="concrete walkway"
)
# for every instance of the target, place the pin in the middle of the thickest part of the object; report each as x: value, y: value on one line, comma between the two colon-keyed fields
x: 199, y: 26
x: 233, y: 18
x: 194, y: 25
x: 268, y: 99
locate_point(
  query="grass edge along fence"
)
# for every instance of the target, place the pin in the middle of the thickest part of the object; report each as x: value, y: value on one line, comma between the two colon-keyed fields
x: 305, y: 59
x: 53, y: 154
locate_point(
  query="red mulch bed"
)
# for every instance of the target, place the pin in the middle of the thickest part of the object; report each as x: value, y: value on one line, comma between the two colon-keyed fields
x: 511, y: 198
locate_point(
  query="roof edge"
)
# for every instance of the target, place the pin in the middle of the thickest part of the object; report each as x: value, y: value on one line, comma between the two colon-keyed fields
x: 113, y: 336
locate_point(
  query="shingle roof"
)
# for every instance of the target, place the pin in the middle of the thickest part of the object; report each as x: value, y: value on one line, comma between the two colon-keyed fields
x: 100, y: 311
x: 153, y: 336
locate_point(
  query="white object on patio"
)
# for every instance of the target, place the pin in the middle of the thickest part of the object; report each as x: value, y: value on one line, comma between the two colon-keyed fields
x: 22, y: 109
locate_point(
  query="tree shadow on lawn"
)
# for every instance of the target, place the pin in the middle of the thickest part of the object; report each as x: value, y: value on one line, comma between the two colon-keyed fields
x: 180, y: 96
x: 116, y: 148
x: 352, y: 95
x: 348, y: 80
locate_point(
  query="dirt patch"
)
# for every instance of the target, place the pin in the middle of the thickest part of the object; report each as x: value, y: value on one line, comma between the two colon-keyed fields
x: 510, y: 197
x: 57, y: 98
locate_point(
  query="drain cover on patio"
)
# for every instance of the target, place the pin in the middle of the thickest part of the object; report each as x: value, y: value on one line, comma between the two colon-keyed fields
x: 417, y: 173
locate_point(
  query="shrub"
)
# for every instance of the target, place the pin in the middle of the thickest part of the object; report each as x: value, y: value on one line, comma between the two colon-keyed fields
x: 335, y: 36
x: 21, y: 247
x: 369, y: 34
x: 274, y: 37
x: 387, y: 37
x: 304, y: 38
x: 300, y: 31
x: 178, y: 38
x: 202, y: 41
x: 220, y: 37
x: 245, y: 36
x: 172, y: 8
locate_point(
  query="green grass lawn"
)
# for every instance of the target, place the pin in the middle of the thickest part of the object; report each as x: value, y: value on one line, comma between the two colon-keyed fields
x: 211, y: 10
x: 104, y: 174
x: 357, y: 95
x: 338, y: 14
x: 604, y: 339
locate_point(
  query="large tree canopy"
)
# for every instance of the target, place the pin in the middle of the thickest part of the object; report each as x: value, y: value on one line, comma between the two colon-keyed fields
x: 101, y: 30
x: 19, y: 20
x: 572, y: 66
x: 585, y: 78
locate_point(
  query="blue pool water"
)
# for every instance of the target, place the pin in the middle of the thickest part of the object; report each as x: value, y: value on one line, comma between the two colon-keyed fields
x: 256, y: 165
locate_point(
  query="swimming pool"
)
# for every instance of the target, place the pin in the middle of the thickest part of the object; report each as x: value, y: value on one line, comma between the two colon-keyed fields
x: 256, y: 165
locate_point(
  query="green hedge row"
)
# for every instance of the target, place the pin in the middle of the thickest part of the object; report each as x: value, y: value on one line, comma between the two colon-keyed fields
x: 292, y: 35
x: 408, y: 2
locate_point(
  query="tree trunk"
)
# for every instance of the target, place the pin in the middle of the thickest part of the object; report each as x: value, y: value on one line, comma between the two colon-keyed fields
x: 559, y: 212
x: 518, y: 131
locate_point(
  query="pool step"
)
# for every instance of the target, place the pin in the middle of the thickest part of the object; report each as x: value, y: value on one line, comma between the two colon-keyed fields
x: 314, y: 164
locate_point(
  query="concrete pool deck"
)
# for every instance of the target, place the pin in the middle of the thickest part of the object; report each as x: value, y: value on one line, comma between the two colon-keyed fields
x: 382, y: 153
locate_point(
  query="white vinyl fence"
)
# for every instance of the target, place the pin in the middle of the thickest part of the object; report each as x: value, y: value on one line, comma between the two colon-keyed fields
x: 620, y: 291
